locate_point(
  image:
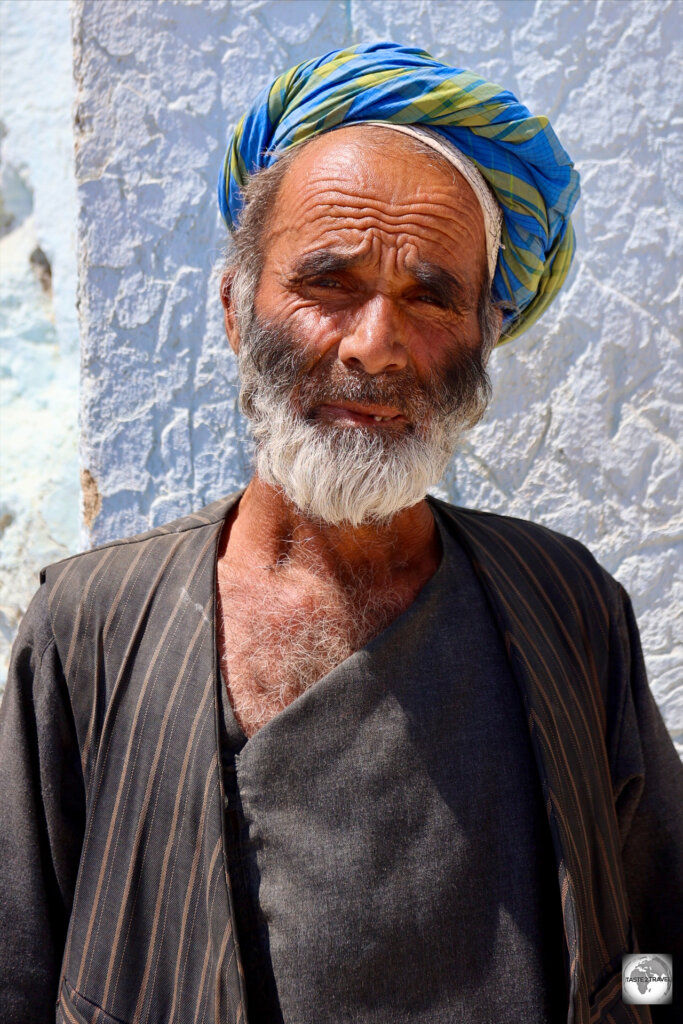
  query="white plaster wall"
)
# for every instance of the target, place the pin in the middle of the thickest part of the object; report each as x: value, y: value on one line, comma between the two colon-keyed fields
x: 39, y: 350
x: 584, y: 430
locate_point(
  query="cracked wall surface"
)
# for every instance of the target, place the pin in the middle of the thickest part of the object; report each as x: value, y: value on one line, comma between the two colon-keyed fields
x: 584, y: 432
x: 39, y: 349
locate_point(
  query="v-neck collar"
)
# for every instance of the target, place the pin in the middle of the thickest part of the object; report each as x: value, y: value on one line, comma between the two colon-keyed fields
x: 234, y: 730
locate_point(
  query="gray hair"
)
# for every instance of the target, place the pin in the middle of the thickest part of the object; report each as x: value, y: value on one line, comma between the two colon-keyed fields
x: 245, y: 254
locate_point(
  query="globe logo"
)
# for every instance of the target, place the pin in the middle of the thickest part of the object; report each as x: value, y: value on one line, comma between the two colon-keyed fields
x: 647, y: 978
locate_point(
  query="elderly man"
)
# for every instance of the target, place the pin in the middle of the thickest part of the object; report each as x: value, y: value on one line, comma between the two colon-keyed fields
x: 332, y: 750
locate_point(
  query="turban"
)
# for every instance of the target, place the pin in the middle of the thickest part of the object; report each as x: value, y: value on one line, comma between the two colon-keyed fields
x: 519, y: 156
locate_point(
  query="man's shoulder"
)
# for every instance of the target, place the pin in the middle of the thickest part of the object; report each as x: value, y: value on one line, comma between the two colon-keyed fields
x: 553, y: 600
x: 125, y: 549
x: 541, y: 552
x: 483, y: 522
x: 124, y: 577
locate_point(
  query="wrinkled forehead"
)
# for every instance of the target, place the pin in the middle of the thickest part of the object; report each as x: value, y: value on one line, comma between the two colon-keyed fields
x: 371, y: 189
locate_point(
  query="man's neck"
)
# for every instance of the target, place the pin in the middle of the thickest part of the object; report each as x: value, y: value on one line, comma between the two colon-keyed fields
x: 326, y: 592
x: 266, y: 530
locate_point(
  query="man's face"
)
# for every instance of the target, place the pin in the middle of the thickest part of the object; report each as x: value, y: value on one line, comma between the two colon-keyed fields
x: 361, y: 362
x: 374, y: 258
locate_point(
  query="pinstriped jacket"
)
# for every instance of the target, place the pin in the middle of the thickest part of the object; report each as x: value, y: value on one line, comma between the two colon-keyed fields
x: 128, y: 640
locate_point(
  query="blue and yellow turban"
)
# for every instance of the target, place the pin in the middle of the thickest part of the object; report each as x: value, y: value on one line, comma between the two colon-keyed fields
x: 520, y: 157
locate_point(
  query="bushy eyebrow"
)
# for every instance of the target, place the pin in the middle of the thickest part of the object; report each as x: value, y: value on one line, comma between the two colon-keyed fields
x: 324, y: 261
x: 445, y: 286
x: 440, y: 282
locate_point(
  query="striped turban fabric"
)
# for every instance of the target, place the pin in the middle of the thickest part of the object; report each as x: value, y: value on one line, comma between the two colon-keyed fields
x: 519, y: 155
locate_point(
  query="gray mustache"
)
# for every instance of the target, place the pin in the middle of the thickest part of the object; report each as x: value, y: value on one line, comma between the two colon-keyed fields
x: 367, y: 391
x: 461, y: 386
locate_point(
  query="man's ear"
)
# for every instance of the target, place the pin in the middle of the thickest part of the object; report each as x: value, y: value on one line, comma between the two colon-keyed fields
x: 229, y: 317
x: 499, y: 331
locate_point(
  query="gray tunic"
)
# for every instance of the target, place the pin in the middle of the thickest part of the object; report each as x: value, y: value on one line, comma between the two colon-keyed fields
x: 396, y: 861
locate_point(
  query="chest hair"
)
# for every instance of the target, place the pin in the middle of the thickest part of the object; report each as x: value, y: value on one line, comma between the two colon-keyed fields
x: 280, y: 633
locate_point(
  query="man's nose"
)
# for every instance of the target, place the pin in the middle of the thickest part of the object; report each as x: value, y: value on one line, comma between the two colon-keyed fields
x: 375, y: 343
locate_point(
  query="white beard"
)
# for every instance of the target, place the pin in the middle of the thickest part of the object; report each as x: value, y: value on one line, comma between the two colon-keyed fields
x: 345, y: 474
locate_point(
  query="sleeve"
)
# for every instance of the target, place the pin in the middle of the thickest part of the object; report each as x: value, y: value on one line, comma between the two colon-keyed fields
x: 42, y: 802
x: 648, y: 777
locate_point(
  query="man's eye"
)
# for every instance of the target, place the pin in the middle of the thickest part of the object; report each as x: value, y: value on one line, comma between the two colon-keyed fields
x: 432, y: 300
x: 324, y: 282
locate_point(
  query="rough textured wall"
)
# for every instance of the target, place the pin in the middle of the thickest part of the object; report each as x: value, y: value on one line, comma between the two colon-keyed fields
x: 38, y: 326
x: 582, y: 433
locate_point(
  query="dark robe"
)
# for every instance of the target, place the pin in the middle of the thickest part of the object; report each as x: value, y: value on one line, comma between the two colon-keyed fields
x: 115, y: 896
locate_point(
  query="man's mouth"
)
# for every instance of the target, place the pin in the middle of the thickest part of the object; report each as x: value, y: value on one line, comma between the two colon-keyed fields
x: 357, y: 414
